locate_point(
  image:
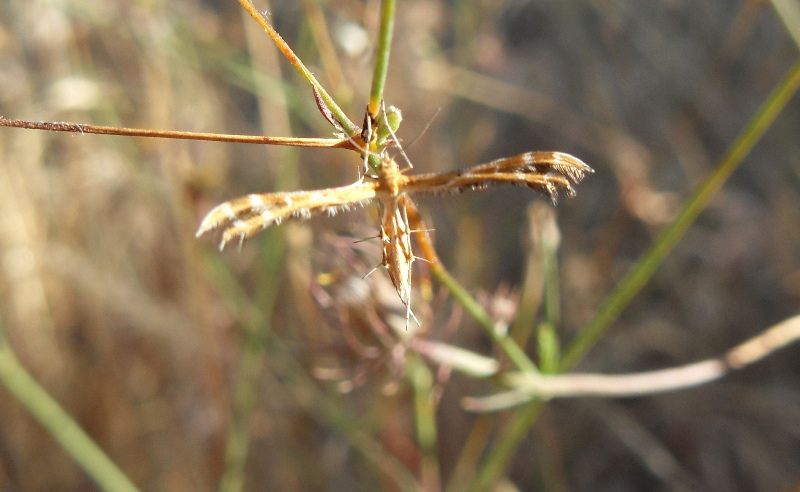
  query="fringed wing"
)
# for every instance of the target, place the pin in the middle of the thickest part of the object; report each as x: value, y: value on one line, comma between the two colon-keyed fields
x: 537, y: 162
x: 548, y: 172
x: 245, y: 216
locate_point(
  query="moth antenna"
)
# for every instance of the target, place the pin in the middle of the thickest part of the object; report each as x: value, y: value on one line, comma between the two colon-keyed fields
x: 366, y: 239
x: 425, y: 128
x: 410, y: 315
x: 371, y: 272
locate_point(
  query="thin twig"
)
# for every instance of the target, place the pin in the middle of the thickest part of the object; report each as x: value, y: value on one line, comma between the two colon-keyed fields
x: 65, y: 126
x: 651, y: 382
x: 298, y: 64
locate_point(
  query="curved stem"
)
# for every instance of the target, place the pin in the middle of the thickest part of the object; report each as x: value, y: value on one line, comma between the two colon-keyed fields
x: 460, y: 294
x: 19, y: 382
x: 522, y: 420
x: 643, y: 270
x: 637, y: 384
x: 298, y: 64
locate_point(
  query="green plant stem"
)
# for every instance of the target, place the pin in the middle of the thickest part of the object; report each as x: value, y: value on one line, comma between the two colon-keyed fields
x: 548, y: 343
x: 474, y: 309
x: 244, y: 401
x: 460, y: 294
x: 425, y: 420
x: 466, y: 466
x: 552, y: 289
x: 382, y: 57
x: 19, y: 382
x: 643, y: 270
x: 531, y: 296
x: 519, y: 426
x: 257, y: 329
x: 505, y: 445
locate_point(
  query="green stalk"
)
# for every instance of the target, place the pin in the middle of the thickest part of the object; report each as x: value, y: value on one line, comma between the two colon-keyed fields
x: 425, y: 420
x: 523, y: 420
x: 58, y: 423
x: 548, y: 343
x: 505, y: 445
x: 244, y: 402
x: 257, y: 329
x: 531, y: 294
x: 381, y: 57
x: 464, y: 471
x: 460, y: 294
x: 643, y: 270
x: 474, y: 309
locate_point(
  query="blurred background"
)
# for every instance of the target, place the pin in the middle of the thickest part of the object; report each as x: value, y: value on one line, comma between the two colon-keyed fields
x: 169, y: 352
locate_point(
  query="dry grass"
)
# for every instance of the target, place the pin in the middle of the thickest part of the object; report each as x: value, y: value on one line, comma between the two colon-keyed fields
x: 139, y: 330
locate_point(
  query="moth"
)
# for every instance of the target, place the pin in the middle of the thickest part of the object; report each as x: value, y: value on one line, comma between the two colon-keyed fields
x: 551, y: 173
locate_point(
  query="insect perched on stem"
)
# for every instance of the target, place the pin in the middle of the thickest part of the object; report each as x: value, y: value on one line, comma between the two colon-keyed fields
x: 548, y: 172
